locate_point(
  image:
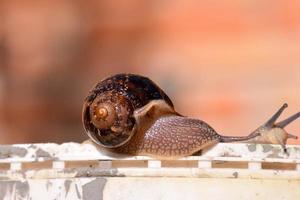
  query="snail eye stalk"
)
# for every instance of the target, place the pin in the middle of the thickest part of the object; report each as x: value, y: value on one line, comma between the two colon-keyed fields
x: 271, y: 121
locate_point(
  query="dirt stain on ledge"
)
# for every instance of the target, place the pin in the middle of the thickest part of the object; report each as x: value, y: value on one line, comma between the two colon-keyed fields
x: 251, y: 147
x: 13, y: 189
x: 94, y: 189
x: 7, y: 151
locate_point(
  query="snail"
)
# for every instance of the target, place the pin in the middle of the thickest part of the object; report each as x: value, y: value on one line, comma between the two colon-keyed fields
x: 274, y: 133
x: 129, y: 114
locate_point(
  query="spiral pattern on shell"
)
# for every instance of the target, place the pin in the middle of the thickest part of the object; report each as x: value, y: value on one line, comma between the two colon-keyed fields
x: 108, y: 109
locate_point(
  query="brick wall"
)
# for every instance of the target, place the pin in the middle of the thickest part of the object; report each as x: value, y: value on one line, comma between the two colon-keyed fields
x: 231, y: 63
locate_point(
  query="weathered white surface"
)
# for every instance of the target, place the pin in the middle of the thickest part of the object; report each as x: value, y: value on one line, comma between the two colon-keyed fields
x: 204, y: 188
x: 146, y: 188
x: 81, y: 171
x: 75, y: 151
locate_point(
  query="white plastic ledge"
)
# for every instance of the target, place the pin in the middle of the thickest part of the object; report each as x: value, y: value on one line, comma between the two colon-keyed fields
x: 22, y: 160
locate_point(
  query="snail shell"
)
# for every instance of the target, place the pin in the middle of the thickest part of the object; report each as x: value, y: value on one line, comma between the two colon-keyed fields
x: 108, y: 111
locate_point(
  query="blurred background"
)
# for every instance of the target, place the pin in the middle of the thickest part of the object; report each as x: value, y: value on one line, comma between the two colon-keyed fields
x: 230, y: 63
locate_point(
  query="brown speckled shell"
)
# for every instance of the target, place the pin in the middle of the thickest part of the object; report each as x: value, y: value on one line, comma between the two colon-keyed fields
x: 126, y: 92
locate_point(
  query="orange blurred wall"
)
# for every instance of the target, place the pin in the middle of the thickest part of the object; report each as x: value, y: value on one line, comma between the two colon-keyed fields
x: 230, y: 63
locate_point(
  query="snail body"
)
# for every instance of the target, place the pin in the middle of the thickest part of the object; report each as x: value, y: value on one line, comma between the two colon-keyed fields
x: 129, y: 114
